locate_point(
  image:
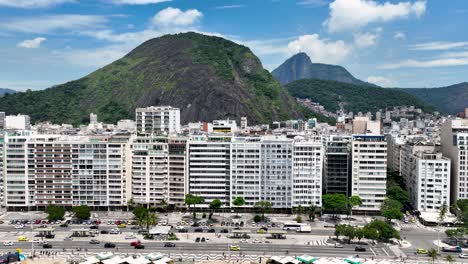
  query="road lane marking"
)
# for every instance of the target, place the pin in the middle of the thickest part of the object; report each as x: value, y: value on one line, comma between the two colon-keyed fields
x: 373, y: 251
x: 385, y: 251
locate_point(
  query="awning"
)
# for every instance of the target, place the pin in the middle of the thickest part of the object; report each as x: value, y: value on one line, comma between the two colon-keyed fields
x: 306, y: 259
x: 104, y: 256
x: 154, y: 256
x: 91, y: 260
x: 353, y: 260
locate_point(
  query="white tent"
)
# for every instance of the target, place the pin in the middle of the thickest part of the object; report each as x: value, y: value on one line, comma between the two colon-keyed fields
x: 91, y: 260
x: 154, y: 256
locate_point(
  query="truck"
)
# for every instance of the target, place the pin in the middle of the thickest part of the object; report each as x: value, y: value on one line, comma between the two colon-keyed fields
x: 456, y: 249
x: 304, y: 229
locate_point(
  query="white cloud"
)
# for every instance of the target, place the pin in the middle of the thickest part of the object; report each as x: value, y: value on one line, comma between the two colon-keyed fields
x: 49, y: 23
x: 313, y: 3
x: 439, y: 45
x: 24, y: 85
x: 399, y: 35
x: 170, y: 17
x: 31, y: 43
x: 355, y: 14
x: 32, y: 3
x: 364, y: 40
x: 229, y: 6
x: 381, y: 81
x: 427, y: 63
x: 320, y: 50
x: 139, y: 2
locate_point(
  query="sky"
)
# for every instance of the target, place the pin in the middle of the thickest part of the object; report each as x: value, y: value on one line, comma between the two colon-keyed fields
x: 393, y: 43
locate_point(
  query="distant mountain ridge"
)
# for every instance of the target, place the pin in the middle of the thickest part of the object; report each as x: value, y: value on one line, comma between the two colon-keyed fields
x: 356, y: 98
x: 4, y: 91
x: 451, y: 99
x: 207, y: 77
x: 300, y: 67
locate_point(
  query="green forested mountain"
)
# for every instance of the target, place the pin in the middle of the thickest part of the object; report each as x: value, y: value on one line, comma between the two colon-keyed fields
x: 206, y: 77
x: 300, y: 67
x: 451, y: 99
x: 353, y: 97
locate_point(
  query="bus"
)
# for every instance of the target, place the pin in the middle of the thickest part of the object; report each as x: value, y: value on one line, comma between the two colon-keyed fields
x: 293, y: 226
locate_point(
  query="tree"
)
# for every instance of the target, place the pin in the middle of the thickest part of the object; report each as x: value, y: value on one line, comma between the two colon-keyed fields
x: 340, y: 230
x: 263, y: 207
x: 384, y: 230
x: 370, y: 233
x: 238, y: 202
x: 191, y: 199
x: 312, y: 211
x: 352, y: 202
x: 359, y: 233
x: 432, y: 253
x: 334, y: 202
x: 55, y: 212
x: 397, y: 193
x: 298, y: 210
x: 391, y: 209
x: 449, y: 258
x: 140, y: 214
x: 350, y: 233
x: 82, y: 212
x: 443, y: 212
x: 151, y: 219
x: 215, y: 204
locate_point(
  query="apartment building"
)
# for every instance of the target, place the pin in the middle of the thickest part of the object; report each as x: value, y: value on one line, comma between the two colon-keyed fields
x: 429, y: 184
x: 158, y: 119
x: 209, y: 167
x: 454, y: 140
x: 307, y: 173
x: 177, y: 170
x: 150, y: 170
x: 2, y: 120
x: 18, y: 122
x: 337, y: 165
x: 369, y: 170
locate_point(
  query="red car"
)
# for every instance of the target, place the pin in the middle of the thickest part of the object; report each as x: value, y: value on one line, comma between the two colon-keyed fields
x: 38, y: 221
x: 135, y: 243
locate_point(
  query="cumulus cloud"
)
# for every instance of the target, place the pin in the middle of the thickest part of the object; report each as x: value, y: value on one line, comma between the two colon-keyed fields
x: 31, y: 43
x: 364, y: 40
x: 399, y: 35
x: 355, y: 14
x: 49, y: 23
x: 32, y: 3
x: 439, y: 45
x: 175, y: 17
x: 320, y: 50
x: 139, y: 2
x: 380, y: 80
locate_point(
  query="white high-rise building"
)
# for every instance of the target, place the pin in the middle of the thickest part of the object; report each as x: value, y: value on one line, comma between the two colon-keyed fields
x: 17, y: 122
x: 454, y: 140
x: 369, y: 170
x: 429, y: 184
x: 158, y: 119
x: 307, y: 173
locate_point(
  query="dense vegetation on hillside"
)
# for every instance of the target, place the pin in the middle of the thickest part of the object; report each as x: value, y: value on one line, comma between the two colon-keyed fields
x: 353, y: 97
x: 451, y: 99
x: 206, y: 77
x: 300, y: 67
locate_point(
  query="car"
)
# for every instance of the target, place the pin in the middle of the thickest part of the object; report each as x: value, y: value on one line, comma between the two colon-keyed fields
x: 256, y: 241
x: 114, y: 232
x: 198, y: 230
x: 360, y: 249
x: 212, y: 230
x: 109, y: 245
x: 179, y: 227
x: 224, y: 230
x: 94, y: 227
x: 50, y: 236
x: 244, y: 241
x: 421, y: 251
x: 130, y: 237
x: 197, y: 239
x: 38, y: 221
x: 64, y: 225
x: 169, y: 244
x: 205, y: 227
x: 135, y: 243
x: 203, y: 239
x: 338, y: 245
x: 261, y: 231
x: 122, y: 225
x: 69, y: 238
x: 42, y: 242
x: 140, y: 246
x: 19, y: 226
x: 23, y: 239
x: 94, y: 241
x: 234, y: 248
x: 47, y: 246
x: 183, y: 230
x: 8, y: 243
x: 104, y: 232
x: 463, y: 255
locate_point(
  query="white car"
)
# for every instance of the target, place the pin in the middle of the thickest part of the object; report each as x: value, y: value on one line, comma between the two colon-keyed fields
x: 205, y: 228
x: 244, y: 241
x: 463, y: 255
x: 19, y: 226
x: 130, y: 237
x: 180, y: 227
x: 8, y: 243
x: 257, y: 241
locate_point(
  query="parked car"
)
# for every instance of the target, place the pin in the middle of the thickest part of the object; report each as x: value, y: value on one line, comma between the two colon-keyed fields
x: 135, y: 243
x: 169, y: 244
x: 183, y: 230
x: 198, y: 230
x: 23, y: 239
x: 212, y: 230
x: 197, y: 239
x: 47, y: 246
x: 109, y: 245
x: 463, y: 255
x: 140, y: 246
x: 94, y: 227
x: 234, y: 248
x: 421, y: 251
x: 94, y: 241
x: 8, y: 243
x: 360, y: 249
x: 69, y: 238
x: 104, y: 232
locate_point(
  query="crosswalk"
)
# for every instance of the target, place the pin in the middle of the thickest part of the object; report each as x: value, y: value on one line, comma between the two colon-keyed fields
x: 408, y: 226
x: 318, y: 242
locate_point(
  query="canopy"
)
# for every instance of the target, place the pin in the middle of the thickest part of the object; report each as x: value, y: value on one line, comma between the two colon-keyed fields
x: 154, y: 256
x: 91, y: 260
x: 164, y: 260
x: 104, y: 256
x: 306, y: 259
x: 353, y: 260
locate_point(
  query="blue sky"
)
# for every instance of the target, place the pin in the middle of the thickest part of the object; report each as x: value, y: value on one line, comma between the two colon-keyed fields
x: 409, y: 43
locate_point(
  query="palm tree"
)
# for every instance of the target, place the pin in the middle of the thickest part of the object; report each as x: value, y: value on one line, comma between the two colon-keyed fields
x: 151, y: 220
x: 352, y: 202
x: 449, y: 258
x: 432, y: 253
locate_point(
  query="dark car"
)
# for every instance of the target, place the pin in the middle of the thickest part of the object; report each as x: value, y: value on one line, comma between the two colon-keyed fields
x: 139, y: 246
x: 183, y: 230
x: 224, y: 230
x: 198, y: 230
x: 109, y: 245
x: 142, y: 231
x: 47, y: 246
x: 94, y: 227
x: 360, y: 249
x: 197, y: 239
x: 169, y: 244
x: 212, y: 230
x: 104, y: 232
x: 64, y: 225
x: 50, y: 236
x: 203, y: 239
